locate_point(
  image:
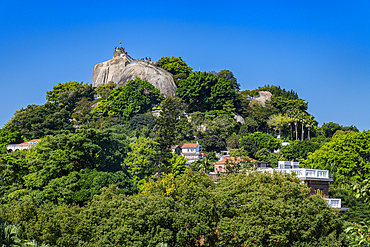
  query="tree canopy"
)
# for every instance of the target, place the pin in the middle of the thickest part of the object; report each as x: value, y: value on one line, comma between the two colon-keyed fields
x: 204, y: 91
x: 176, y: 66
x: 346, y: 155
x: 136, y: 97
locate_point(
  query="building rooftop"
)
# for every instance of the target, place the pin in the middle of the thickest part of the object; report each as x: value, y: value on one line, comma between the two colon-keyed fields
x: 190, y: 145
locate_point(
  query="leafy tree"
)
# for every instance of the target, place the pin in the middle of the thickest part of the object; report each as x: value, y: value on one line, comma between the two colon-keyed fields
x: 104, y: 89
x: 282, y: 105
x: 232, y: 141
x: 141, y: 162
x: 7, y: 137
x: 217, y: 130
x: 186, y: 210
x: 176, y: 66
x: 278, y: 120
x: 13, y: 166
x: 248, y: 127
x: 266, y: 156
x: 9, y: 235
x: 139, y: 121
x: 249, y: 146
x: 167, y: 121
x: 260, y: 115
x: 177, y: 163
x: 204, y: 91
x: 211, y: 156
x: 58, y: 156
x: 330, y: 128
x: 277, y: 91
x: 359, y: 234
x: 82, y: 113
x: 136, y: 97
x: 281, y: 213
x: 299, y: 149
x: 66, y: 95
x: 359, y: 208
x: 227, y: 75
x: 346, y: 155
x: 240, y: 152
x: 266, y: 141
x: 79, y: 187
x: 37, y: 121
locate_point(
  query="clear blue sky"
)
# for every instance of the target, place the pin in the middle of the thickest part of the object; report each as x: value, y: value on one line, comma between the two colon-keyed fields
x: 320, y: 49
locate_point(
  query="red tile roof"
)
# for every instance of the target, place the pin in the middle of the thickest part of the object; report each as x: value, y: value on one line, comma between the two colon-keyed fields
x: 34, y: 140
x: 190, y: 145
x: 235, y: 159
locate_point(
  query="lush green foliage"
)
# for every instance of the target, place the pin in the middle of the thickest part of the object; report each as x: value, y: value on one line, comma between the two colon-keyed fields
x: 254, y: 210
x: 7, y: 137
x: 136, y: 97
x: 52, y: 171
x: 37, y: 121
x: 330, y: 128
x: 346, y: 155
x: 299, y: 150
x: 204, y: 91
x: 176, y: 66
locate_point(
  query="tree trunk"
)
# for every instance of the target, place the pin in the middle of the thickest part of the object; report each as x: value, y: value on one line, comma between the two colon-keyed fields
x: 309, y: 129
x: 279, y: 131
x: 302, y: 132
x: 296, y: 131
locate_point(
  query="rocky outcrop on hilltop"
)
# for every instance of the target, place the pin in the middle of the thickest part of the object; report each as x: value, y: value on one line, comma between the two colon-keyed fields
x: 263, y: 97
x: 158, y: 77
x: 122, y: 68
x: 109, y: 70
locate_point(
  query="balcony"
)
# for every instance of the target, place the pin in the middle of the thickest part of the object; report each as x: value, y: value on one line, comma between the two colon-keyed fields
x: 303, y: 173
x: 334, y: 202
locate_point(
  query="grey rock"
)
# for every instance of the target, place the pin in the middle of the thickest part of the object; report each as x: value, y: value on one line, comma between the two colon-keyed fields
x: 122, y: 68
x: 109, y: 70
x: 158, y: 77
x: 263, y: 97
x: 238, y: 118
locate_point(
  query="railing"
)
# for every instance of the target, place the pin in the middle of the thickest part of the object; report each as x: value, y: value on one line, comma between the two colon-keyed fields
x: 334, y: 202
x: 303, y: 172
x: 19, y: 147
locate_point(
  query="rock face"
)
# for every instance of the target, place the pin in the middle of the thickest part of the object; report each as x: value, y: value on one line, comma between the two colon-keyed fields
x: 122, y: 68
x: 158, y: 77
x: 263, y: 96
x: 108, y: 71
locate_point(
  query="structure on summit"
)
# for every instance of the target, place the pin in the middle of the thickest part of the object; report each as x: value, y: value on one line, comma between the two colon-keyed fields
x: 122, y: 68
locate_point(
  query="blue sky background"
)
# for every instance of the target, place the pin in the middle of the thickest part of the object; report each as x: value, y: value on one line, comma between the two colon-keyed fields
x: 320, y: 49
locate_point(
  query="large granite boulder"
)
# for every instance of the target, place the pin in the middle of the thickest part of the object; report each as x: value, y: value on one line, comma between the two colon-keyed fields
x: 263, y: 97
x: 109, y: 70
x: 122, y: 68
x: 158, y: 77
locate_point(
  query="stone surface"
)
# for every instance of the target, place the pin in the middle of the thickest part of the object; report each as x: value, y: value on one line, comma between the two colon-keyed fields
x: 122, y: 68
x: 263, y: 96
x: 158, y: 77
x: 238, y: 118
x: 109, y: 70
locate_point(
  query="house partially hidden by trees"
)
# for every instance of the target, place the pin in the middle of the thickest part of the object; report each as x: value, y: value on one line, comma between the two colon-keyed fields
x: 23, y: 145
x: 191, y: 151
x: 315, y: 179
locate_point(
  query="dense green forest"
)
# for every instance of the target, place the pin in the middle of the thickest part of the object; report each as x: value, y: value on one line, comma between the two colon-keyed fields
x: 104, y: 173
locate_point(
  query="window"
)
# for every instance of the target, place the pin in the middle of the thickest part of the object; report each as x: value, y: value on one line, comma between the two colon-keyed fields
x: 319, y: 192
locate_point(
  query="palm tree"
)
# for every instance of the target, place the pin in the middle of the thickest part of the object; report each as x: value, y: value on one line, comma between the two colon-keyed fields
x: 278, y: 120
x: 310, y: 122
x: 9, y: 235
x: 303, y: 119
x: 294, y: 114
